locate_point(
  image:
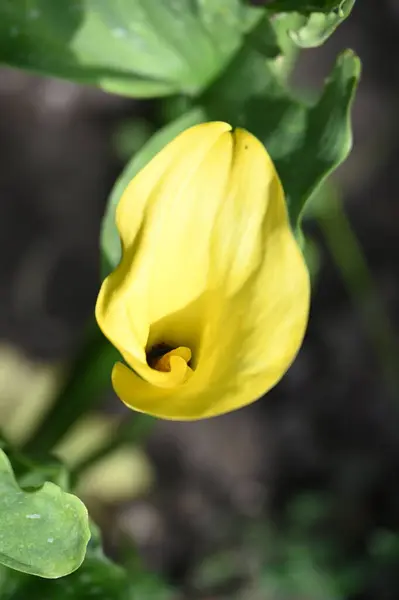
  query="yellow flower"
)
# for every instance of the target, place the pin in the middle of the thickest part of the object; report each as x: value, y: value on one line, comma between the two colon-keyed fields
x: 209, y: 303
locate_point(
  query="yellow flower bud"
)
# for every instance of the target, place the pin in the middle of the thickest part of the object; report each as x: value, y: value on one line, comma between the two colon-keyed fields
x: 209, y: 304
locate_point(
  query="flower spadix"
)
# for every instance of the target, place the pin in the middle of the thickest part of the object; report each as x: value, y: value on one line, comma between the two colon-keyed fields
x: 209, y: 303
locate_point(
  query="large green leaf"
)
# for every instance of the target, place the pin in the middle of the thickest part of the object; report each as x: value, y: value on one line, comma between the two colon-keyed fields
x: 43, y: 532
x: 133, y: 47
x: 98, y: 578
x: 306, y: 142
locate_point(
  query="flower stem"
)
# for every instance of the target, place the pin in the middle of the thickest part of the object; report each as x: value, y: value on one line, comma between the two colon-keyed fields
x: 348, y: 256
x: 89, y: 376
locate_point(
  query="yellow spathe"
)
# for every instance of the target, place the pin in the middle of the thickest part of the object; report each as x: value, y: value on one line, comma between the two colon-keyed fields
x: 210, y: 301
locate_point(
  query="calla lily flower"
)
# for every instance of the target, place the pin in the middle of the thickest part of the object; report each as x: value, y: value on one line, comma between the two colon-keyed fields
x: 209, y: 304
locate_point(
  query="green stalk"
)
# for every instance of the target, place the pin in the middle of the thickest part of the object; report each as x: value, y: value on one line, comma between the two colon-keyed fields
x: 349, y: 258
x: 89, y: 376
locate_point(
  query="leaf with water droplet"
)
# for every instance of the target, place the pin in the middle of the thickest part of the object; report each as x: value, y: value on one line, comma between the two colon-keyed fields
x: 97, y: 579
x: 131, y: 47
x: 43, y: 532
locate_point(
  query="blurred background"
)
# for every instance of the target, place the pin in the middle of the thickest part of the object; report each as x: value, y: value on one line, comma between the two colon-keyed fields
x: 295, y: 497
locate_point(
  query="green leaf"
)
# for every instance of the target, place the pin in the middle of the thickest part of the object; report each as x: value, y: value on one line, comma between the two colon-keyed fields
x: 306, y: 142
x: 316, y: 28
x: 131, y: 47
x: 263, y: 37
x: 283, y: 25
x: 98, y: 578
x: 44, y: 532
